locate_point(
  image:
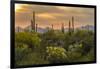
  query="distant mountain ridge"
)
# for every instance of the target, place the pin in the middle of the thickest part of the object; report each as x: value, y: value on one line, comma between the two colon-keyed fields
x: 42, y: 30
x: 28, y: 28
x: 19, y: 29
x: 87, y: 27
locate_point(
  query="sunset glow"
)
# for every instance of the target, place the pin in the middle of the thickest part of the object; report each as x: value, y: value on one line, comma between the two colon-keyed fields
x: 56, y: 15
x: 17, y: 7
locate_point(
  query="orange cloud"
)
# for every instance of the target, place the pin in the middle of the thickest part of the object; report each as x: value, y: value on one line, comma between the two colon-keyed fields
x: 56, y: 15
x: 20, y: 7
x: 45, y: 15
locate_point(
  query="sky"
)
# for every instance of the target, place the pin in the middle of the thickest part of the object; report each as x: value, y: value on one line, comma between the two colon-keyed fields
x: 46, y: 15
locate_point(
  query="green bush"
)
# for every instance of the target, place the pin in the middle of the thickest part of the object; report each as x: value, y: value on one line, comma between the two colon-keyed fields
x: 32, y: 48
x: 32, y: 59
x: 56, y: 54
x: 31, y: 39
x: 20, y: 53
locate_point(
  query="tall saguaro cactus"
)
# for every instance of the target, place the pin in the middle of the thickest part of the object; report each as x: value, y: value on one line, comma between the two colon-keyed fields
x: 32, y: 26
x: 36, y: 27
x: 52, y: 26
x: 34, y: 19
x: 18, y: 29
x: 69, y: 27
x: 33, y: 22
x: 62, y: 28
x: 73, y: 24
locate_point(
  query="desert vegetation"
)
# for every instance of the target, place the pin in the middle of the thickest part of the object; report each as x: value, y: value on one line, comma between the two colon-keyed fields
x: 33, y: 48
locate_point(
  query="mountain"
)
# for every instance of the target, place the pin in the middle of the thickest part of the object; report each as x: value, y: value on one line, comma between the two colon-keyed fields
x: 66, y: 29
x: 28, y: 28
x: 87, y: 27
x: 19, y: 29
x: 40, y: 30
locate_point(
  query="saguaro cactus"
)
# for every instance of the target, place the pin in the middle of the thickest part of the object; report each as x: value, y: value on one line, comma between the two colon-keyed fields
x: 18, y: 29
x: 73, y: 24
x: 33, y: 22
x: 62, y: 28
x: 52, y: 26
x: 69, y: 28
x: 36, y: 27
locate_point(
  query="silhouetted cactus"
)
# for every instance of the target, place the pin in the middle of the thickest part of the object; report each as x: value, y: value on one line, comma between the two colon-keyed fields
x: 18, y: 29
x: 62, y: 28
x: 52, y: 26
x: 72, y: 24
x: 36, y: 27
x: 33, y: 22
x: 69, y: 28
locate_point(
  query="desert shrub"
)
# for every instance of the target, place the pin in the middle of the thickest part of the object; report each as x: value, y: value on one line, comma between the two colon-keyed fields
x: 90, y: 56
x: 20, y: 52
x: 52, y: 37
x: 32, y: 58
x: 32, y: 40
x: 32, y: 48
x: 75, y: 52
x: 56, y: 54
x: 80, y: 36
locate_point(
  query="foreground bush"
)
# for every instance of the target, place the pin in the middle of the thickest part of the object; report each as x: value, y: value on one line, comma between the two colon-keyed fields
x: 56, y: 54
x: 31, y: 39
x: 32, y: 48
x: 20, y: 53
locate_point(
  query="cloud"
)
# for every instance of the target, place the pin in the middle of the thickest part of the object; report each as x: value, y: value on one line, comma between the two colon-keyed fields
x: 47, y: 15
